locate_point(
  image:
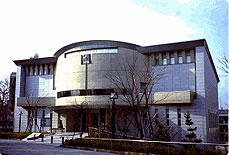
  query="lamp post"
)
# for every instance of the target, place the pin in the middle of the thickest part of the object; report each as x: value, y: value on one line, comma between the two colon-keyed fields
x: 113, y: 97
x: 20, y: 113
x: 85, y: 60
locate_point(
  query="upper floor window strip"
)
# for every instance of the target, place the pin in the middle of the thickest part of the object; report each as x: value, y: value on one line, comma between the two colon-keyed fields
x: 174, y: 57
x: 105, y: 50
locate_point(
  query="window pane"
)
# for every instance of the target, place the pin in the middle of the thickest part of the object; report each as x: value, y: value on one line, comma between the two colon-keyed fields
x: 188, y: 58
x: 180, y: 60
x: 164, y: 62
x: 172, y: 60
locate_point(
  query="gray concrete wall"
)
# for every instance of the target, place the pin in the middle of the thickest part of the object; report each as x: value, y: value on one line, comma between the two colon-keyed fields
x: 211, y: 99
x: 200, y: 78
x: 39, y: 86
x: 177, y: 77
x: 29, y: 84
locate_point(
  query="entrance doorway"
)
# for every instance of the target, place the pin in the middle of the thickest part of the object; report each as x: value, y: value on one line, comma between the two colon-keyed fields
x: 74, y: 121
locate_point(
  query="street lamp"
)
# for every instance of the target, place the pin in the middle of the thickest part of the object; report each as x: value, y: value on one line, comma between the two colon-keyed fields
x: 85, y: 60
x: 20, y: 113
x: 113, y: 97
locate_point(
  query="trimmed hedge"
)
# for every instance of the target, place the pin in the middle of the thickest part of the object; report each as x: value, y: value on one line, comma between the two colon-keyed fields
x: 14, y: 135
x: 137, y: 147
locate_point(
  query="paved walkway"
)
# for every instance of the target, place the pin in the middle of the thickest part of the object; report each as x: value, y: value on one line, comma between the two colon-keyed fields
x: 15, y: 147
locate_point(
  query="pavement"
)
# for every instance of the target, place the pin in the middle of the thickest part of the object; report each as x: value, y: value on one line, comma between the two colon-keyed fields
x: 16, y: 147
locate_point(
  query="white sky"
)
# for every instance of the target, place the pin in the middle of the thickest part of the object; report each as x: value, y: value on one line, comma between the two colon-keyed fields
x: 28, y: 26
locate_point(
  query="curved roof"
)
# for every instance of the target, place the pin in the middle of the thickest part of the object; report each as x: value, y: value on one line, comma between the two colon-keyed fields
x: 97, y: 42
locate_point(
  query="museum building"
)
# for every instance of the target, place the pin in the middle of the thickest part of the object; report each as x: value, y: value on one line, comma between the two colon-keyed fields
x: 52, y: 93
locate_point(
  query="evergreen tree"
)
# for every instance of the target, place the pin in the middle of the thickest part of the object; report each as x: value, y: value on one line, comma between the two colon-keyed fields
x: 161, y: 131
x: 191, y: 130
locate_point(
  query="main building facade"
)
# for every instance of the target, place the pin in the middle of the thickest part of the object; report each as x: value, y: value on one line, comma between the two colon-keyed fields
x: 51, y: 91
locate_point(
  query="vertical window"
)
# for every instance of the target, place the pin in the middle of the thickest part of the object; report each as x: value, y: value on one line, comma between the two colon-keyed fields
x: 188, y: 57
x: 180, y: 59
x: 167, y: 117
x: 164, y: 60
x: 41, y: 70
x: 156, y: 113
x: 31, y: 71
x: 172, y: 59
x: 46, y: 70
x: 179, y: 117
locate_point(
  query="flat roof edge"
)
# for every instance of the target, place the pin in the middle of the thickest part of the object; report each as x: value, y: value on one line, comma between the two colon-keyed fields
x: 172, y: 46
x: 36, y: 61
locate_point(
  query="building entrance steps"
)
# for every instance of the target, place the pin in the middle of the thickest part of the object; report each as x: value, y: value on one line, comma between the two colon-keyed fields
x: 32, y: 135
x: 53, y: 138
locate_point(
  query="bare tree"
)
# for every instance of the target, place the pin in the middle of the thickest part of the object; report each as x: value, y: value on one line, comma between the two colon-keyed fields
x: 135, y: 84
x: 80, y: 109
x: 32, y: 108
x: 224, y: 64
x: 4, y: 99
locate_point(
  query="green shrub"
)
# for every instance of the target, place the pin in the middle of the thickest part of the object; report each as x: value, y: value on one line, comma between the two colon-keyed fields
x: 138, y: 147
x: 14, y: 135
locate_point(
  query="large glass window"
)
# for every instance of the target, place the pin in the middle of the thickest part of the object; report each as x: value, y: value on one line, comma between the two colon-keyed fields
x: 83, y: 92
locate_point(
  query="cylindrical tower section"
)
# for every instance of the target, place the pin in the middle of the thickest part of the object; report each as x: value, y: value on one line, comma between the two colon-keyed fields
x: 81, y: 70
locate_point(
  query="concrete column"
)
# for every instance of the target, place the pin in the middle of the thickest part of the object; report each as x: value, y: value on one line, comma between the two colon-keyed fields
x: 192, y: 54
x: 26, y: 70
x: 160, y: 58
x: 153, y: 59
x: 183, y: 56
x: 176, y: 57
x: 168, y: 57
x: 51, y: 69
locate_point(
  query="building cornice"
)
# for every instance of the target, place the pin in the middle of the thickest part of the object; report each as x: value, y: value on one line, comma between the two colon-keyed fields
x: 36, y: 61
x: 97, y: 42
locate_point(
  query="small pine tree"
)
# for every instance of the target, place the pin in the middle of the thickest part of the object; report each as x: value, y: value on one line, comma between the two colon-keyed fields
x: 161, y: 131
x: 191, y: 135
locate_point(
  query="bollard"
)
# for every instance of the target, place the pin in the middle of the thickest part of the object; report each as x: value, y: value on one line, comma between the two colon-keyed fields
x: 62, y: 140
x: 51, y: 139
x: 42, y: 138
x: 34, y: 137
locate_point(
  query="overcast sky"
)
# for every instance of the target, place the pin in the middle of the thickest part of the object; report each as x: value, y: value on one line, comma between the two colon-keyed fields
x: 28, y: 26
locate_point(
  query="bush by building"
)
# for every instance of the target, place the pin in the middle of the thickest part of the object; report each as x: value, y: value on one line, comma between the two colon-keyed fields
x: 127, y: 146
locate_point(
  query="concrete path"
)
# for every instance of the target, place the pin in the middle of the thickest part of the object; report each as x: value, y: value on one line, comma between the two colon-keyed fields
x: 15, y: 147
